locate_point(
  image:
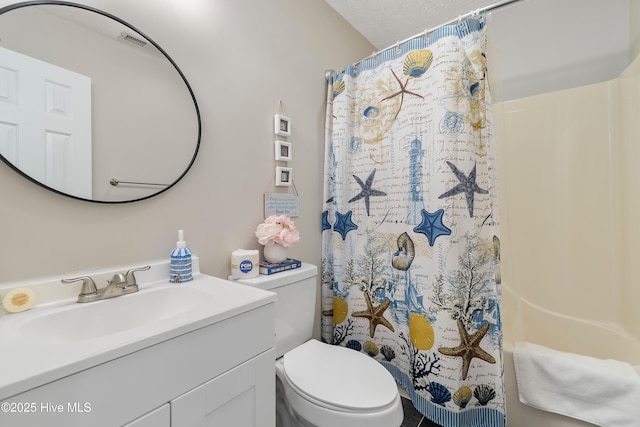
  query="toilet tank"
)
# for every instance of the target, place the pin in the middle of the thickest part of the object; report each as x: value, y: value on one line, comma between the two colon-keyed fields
x: 295, y: 306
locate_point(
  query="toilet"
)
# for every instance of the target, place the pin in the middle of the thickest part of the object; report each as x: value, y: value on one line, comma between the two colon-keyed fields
x: 318, y: 384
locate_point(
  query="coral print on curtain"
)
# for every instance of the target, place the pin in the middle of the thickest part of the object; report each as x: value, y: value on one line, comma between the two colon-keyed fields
x: 410, y: 227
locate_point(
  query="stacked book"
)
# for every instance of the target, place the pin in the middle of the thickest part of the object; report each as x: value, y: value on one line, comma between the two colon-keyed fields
x: 272, y: 268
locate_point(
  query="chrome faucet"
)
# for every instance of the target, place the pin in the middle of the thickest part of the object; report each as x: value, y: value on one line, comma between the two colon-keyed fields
x: 120, y: 284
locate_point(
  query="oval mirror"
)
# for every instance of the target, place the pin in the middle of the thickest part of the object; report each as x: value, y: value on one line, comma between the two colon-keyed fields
x: 90, y: 107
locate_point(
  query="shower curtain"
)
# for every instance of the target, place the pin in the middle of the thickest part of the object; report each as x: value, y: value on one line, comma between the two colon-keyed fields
x: 410, y: 272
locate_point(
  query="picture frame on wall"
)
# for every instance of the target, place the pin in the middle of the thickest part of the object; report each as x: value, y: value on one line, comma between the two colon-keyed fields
x: 282, y: 125
x: 283, y: 151
x: 284, y: 176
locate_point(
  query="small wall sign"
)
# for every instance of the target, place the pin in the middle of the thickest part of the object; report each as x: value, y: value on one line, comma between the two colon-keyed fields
x: 281, y: 204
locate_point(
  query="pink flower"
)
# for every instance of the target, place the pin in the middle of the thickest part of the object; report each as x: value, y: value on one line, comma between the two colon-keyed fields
x: 278, y: 229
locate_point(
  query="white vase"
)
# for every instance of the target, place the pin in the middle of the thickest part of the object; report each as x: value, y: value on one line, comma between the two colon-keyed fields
x: 275, y: 253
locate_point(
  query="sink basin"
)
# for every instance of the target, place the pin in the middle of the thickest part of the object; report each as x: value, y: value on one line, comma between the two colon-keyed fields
x: 80, y: 322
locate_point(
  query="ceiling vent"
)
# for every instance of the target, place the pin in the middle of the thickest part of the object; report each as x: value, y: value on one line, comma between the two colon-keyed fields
x: 138, y: 41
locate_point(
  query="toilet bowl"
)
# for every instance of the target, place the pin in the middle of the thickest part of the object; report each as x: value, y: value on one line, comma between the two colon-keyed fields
x: 334, y: 386
x: 318, y: 384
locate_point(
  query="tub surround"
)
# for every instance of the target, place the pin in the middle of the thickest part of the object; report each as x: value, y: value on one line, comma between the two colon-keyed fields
x: 569, y: 209
x: 572, y: 163
x: 558, y: 332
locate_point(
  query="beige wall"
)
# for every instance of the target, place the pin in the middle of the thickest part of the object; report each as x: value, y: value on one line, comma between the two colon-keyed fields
x: 241, y: 58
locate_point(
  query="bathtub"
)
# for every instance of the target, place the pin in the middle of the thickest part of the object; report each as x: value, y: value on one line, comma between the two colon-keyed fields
x: 561, y: 333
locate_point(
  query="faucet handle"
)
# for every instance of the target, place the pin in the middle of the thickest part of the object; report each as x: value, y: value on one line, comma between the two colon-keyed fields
x: 89, y: 291
x: 130, y: 275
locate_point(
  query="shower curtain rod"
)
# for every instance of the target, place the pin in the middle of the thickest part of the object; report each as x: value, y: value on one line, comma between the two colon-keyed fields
x: 489, y: 8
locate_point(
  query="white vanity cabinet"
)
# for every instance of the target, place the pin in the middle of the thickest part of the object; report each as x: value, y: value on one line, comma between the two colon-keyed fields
x: 242, y: 396
x: 220, y: 373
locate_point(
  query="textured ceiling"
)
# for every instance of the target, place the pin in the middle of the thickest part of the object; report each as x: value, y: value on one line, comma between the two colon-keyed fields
x: 536, y: 46
x: 385, y: 22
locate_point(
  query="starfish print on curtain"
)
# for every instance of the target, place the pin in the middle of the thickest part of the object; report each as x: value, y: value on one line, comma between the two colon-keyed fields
x: 366, y: 191
x: 374, y: 314
x: 432, y: 226
x: 469, y: 347
x: 467, y: 186
x: 344, y: 224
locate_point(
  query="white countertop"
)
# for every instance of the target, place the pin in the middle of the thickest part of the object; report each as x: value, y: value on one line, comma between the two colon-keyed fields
x: 29, y: 362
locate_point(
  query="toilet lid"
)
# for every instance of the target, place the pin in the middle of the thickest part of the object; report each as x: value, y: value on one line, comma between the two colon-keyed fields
x: 339, y: 376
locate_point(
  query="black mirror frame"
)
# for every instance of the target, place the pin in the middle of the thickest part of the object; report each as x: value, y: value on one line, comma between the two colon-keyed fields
x: 126, y: 24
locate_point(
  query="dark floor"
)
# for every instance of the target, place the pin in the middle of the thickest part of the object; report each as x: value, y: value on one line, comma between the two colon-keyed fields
x: 413, y: 418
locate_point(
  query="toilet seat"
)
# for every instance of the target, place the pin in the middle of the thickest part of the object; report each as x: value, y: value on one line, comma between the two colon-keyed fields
x: 339, y: 378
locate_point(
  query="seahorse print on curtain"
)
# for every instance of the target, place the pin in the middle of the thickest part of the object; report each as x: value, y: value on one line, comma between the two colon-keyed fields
x: 410, y: 259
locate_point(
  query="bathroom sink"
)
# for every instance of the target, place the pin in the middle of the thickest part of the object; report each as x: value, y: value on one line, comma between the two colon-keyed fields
x: 59, y: 336
x: 80, y: 322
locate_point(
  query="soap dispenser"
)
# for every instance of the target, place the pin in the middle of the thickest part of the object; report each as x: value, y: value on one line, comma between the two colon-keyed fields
x: 180, y: 270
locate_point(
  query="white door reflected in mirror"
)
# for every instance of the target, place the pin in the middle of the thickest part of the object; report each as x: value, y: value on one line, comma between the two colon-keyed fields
x: 46, y: 122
